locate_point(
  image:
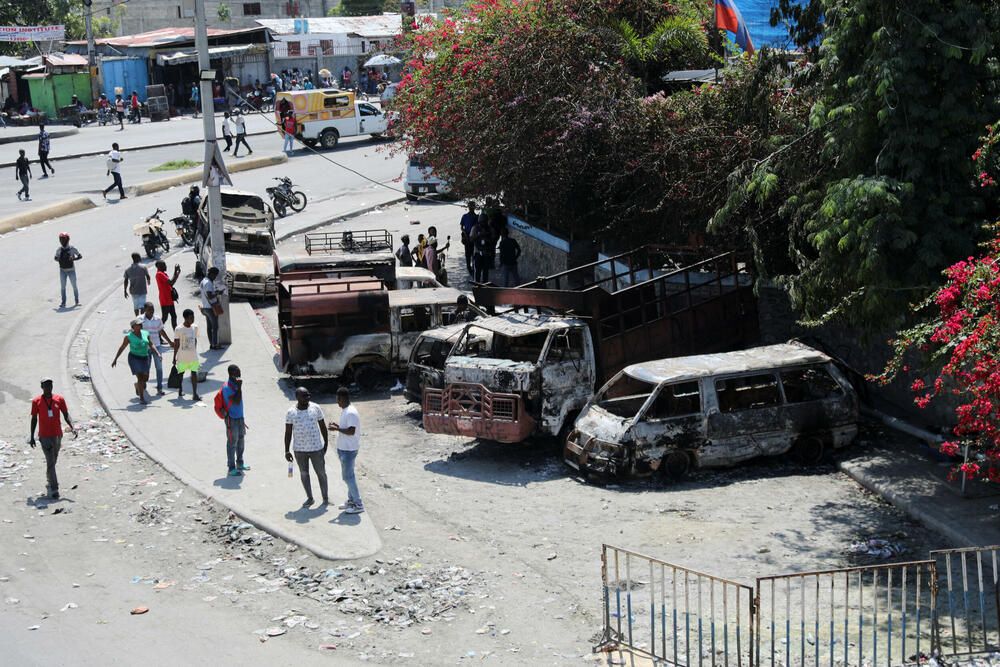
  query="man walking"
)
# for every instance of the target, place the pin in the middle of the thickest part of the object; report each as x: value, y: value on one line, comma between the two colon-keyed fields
x: 467, y: 224
x: 195, y: 98
x: 236, y: 428
x: 43, y: 151
x: 288, y: 129
x: 483, y: 246
x: 241, y: 134
x: 165, y: 292
x: 510, y: 251
x: 22, y: 172
x: 115, y: 170
x: 157, y: 337
x: 227, y: 131
x: 348, y: 444
x: 45, y: 411
x: 136, y: 282
x: 211, y: 307
x: 305, y: 425
x: 67, y: 255
x: 186, y: 353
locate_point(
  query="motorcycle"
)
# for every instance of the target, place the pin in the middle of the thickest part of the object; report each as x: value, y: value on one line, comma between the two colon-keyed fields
x: 134, y: 115
x: 152, y: 234
x: 185, y: 227
x: 283, y: 198
x: 106, y: 115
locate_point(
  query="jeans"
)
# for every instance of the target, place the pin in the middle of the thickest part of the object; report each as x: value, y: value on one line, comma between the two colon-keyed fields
x: 482, y: 264
x: 158, y: 365
x: 24, y: 185
x: 468, y: 257
x: 241, y: 139
x: 68, y: 274
x: 236, y: 431
x: 509, y: 276
x: 138, y: 302
x: 43, y: 162
x: 318, y: 460
x: 347, y: 473
x: 50, y: 447
x: 116, y: 183
x: 289, y: 145
x: 212, y: 323
x: 229, y: 141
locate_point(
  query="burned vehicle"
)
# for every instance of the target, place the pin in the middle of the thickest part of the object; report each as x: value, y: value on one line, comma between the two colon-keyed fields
x: 248, y: 228
x: 714, y: 410
x: 529, y: 373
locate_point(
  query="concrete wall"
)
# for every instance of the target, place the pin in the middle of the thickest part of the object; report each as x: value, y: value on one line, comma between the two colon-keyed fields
x: 543, y: 253
x: 145, y: 15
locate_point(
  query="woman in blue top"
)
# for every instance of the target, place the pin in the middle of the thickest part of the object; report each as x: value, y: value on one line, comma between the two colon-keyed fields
x: 195, y: 98
x: 139, y: 348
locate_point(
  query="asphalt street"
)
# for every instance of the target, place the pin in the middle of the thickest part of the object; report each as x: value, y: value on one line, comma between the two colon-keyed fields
x: 35, y: 340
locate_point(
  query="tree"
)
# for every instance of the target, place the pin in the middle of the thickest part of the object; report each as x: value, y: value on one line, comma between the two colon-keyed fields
x: 224, y: 13
x: 360, y: 8
x: 60, y: 12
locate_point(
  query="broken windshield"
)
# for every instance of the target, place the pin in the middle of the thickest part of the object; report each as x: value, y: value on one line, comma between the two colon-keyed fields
x: 625, y: 396
x: 486, y: 344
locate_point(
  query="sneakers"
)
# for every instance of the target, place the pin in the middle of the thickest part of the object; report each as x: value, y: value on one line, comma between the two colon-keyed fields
x: 235, y: 472
x: 19, y: 197
x: 54, y: 494
x: 244, y: 466
x: 308, y: 502
x: 344, y: 505
x: 355, y: 509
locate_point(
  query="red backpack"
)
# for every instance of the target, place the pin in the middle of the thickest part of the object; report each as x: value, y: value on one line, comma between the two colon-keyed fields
x: 221, y: 406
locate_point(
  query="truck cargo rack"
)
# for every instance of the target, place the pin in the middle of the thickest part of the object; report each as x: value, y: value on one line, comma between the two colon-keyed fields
x: 362, y: 241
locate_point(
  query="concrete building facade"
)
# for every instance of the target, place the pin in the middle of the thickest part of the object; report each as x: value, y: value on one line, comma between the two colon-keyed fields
x: 146, y: 15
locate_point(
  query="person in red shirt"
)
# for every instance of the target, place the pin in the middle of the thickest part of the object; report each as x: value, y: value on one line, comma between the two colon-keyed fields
x: 165, y: 289
x: 45, y: 410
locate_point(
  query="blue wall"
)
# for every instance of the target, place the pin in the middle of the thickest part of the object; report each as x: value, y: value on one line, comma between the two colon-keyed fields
x: 757, y: 15
x: 128, y: 73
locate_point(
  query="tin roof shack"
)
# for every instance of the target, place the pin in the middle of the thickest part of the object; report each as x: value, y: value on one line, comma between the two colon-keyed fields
x: 714, y: 410
x: 54, y: 89
x: 520, y: 374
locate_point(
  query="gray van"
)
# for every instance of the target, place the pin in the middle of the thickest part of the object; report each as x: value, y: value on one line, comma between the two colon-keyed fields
x: 714, y: 410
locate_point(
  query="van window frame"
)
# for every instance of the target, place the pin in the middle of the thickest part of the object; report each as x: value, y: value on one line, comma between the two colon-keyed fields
x: 641, y: 416
x: 822, y: 367
x: 771, y: 370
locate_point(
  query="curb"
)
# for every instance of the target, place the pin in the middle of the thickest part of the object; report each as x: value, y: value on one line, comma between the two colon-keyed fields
x: 346, y: 216
x: 44, y: 213
x: 902, y: 502
x: 54, y: 134
x: 196, y: 174
x: 130, y: 149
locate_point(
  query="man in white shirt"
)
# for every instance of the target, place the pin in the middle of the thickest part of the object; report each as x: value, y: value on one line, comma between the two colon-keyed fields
x: 227, y: 131
x: 348, y: 443
x: 304, y: 423
x: 115, y: 169
x: 157, y: 337
x: 186, y: 353
x: 209, y: 298
x: 241, y: 133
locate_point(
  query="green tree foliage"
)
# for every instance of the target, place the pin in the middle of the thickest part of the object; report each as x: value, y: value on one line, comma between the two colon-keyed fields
x: 361, y: 8
x: 224, y: 13
x: 69, y: 13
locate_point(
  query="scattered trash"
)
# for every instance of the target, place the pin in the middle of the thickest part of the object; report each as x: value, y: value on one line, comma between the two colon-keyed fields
x: 164, y: 584
x: 877, y: 548
x: 139, y: 610
x: 69, y: 605
x: 551, y: 556
x: 34, y: 627
x: 393, y: 527
x: 397, y: 387
x: 276, y: 632
x: 763, y: 550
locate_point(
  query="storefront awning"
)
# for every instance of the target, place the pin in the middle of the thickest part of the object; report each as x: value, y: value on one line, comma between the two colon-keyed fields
x: 182, y: 57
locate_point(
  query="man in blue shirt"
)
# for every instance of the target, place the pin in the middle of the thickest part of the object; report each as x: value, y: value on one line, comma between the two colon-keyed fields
x: 468, y: 222
x: 236, y: 428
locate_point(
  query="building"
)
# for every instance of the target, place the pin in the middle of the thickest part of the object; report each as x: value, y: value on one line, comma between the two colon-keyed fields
x: 331, y: 42
x: 141, y: 16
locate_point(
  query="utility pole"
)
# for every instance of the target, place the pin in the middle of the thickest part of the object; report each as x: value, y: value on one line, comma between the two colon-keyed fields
x: 91, y: 63
x: 217, y: 235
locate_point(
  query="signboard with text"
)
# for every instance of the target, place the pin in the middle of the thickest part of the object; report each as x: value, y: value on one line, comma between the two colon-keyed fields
x: 31, y: 33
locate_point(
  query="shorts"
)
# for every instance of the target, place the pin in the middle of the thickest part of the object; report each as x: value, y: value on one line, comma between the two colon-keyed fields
x: 138, y: 301
x: 184, y: 366
x: 138, y: 364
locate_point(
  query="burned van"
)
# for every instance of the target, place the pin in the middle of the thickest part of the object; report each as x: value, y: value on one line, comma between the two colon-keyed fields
x: 714, y: 410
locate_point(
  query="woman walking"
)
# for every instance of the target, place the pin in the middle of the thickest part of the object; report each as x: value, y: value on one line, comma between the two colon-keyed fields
x: 139, y: 350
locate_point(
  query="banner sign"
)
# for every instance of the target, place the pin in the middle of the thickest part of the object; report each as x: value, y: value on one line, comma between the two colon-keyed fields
x: 31, y: 33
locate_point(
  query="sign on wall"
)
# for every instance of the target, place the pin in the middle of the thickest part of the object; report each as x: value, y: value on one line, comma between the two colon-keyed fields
x: 31, y: 33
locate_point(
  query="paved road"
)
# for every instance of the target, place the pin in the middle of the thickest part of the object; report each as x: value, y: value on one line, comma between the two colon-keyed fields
x: 36, y: 338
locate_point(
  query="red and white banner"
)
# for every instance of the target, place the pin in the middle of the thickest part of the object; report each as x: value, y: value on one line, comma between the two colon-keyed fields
x: 31, y: 33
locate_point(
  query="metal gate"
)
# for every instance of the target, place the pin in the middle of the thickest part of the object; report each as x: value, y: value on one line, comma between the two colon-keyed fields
x: 674, y: 614
x: 894, y: 614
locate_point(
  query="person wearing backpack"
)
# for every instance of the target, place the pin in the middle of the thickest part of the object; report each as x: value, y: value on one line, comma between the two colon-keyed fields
x: 229, y: 406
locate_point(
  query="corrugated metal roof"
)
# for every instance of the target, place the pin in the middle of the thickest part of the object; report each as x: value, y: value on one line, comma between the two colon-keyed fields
x: 425, y: 296
x: 679, y: 369
x: 65, y: 60
x: 162, y: 37
x: 383, y: 25
x: 522, y: 324
x: 180, y: 57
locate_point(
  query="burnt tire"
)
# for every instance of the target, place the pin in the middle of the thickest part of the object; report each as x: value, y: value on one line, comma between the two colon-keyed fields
x: 809, y: 451
x: 366, y: 376
x: 676, y: 464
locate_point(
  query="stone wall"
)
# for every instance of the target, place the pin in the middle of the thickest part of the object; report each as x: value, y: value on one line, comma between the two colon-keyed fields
x: 544, y: 253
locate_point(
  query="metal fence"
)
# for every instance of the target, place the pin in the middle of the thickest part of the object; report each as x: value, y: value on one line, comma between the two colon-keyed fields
x: 673, y: 613
x: 893, y: 614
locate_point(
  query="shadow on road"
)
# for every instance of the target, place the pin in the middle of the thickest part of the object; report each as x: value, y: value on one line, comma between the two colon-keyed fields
x: 306, y: 514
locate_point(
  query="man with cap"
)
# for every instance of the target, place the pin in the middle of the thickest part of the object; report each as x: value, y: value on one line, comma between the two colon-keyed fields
x: 66, y: 255
x: 45, y: 411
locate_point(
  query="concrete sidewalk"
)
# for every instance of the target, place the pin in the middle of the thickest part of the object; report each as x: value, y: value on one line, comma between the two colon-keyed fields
x: 188, y: 439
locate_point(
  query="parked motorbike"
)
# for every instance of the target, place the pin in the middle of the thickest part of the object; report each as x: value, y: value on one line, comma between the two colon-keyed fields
x: 153, y: 237
x: 106, y: 115
x: 283, y: 198
x: 253, y: 103
x: 185, y: 226
x: 134, y: 115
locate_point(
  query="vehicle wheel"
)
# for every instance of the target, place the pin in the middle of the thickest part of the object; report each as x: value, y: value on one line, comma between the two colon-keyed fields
x: 366, y: 375
x: 166, y: 245
x: 809, y: 451
x: 199, y: 272
x: 329, y: 139
x: 279, y: 208
x: 376, y: 136
x: 150, y: 250
x: 187, y: 236
x: 676, y: 464
x: 299, y: 202
x: 566, y: 428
